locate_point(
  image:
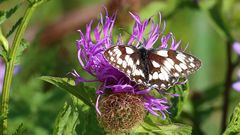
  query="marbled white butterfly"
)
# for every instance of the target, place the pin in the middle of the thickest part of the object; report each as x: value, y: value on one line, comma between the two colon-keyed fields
x: 160, y: 68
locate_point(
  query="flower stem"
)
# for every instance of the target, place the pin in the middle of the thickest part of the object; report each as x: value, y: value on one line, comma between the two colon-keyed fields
x: 10, y: 65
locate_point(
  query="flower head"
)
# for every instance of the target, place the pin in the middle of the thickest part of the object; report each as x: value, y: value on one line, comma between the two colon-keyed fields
x: 95, y: 41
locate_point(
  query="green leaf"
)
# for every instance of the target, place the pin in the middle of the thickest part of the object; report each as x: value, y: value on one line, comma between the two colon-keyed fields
x: 77, y: 118
x: 4, y: 15
x: 20, y: 130
x: 65, y: 120
x: 23, y: 46
x: 14, y: 27
x: 34, y: 2
x: 234, y: 124
x: 170, y: 129
x: 3, y: 53
x: 178, y: 101
x: 86, y: 94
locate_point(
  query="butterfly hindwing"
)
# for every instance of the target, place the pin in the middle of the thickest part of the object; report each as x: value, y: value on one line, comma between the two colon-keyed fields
x: 167, y: 66
x: 159, y: 74
x: 126, y: 59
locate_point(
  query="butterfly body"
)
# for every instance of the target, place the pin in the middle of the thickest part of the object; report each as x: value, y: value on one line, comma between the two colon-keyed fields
x: 160, y: 68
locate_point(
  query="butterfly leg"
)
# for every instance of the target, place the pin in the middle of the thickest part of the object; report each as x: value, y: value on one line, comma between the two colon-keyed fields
x: 182, y: 82
x: 146, y: 91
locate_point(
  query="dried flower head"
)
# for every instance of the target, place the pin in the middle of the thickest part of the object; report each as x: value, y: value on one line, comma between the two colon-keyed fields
x: 121, y: 111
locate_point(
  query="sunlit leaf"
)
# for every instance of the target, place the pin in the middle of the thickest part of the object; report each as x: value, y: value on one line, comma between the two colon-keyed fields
x: 85, y: 94
x: 234, y: 124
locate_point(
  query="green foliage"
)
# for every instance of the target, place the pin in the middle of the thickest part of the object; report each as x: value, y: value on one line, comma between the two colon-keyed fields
x: 180, y: 100
x: 20, y: 130
x: 234, y: 124
x: 4, y: 15
x: 86, y: 94
x: 170, y: 129
x: 23, y: 46
x: 77, y: 119
x: 34, y: 104
x: 32, y: 2
x: 3, y: 54
x: 14, y: 27
x: 158, y: 126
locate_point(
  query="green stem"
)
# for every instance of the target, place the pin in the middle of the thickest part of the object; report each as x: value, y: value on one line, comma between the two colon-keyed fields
x: 10, y: 65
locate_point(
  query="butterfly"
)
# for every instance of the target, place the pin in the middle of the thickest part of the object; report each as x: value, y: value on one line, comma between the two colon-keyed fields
x: 159, y: 68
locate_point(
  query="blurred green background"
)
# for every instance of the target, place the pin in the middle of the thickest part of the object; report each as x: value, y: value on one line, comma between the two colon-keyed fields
x: 52, y: 33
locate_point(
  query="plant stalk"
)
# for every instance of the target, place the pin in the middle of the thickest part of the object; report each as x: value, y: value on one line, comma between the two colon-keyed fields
x: 10, y: 62
x: 228, y: 83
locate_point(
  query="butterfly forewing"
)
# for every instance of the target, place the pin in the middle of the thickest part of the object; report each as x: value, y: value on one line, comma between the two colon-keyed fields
x: 126, y: 59
x: 176, y: 63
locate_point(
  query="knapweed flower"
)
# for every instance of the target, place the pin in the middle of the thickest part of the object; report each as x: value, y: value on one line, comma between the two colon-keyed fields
x: 120, y: 101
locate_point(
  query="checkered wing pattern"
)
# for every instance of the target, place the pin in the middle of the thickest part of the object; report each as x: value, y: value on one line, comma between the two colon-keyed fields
x: 167, y: 66
x: 159, y: 68
x: 127, y: 60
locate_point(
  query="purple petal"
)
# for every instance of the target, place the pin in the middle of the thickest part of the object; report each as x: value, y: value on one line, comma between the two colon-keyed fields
x: 236, y: 86
x: 236, y: 47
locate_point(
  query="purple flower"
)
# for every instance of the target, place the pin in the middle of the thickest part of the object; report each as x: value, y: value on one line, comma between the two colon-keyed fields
x: 236, y: 47
x: 2, y: 72
x: 236, y: 85
x: 95, y: 41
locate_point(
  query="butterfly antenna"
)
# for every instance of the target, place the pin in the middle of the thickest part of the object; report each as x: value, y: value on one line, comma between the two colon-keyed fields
x: 186, y: 47
x: 122, y: 29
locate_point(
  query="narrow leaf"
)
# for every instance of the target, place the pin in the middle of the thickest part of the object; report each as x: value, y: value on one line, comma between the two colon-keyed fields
x: 20, y: 130
x: 83, y: 93
x: 14, y: 27
x: 234, y: 124
x: 4, y: 15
